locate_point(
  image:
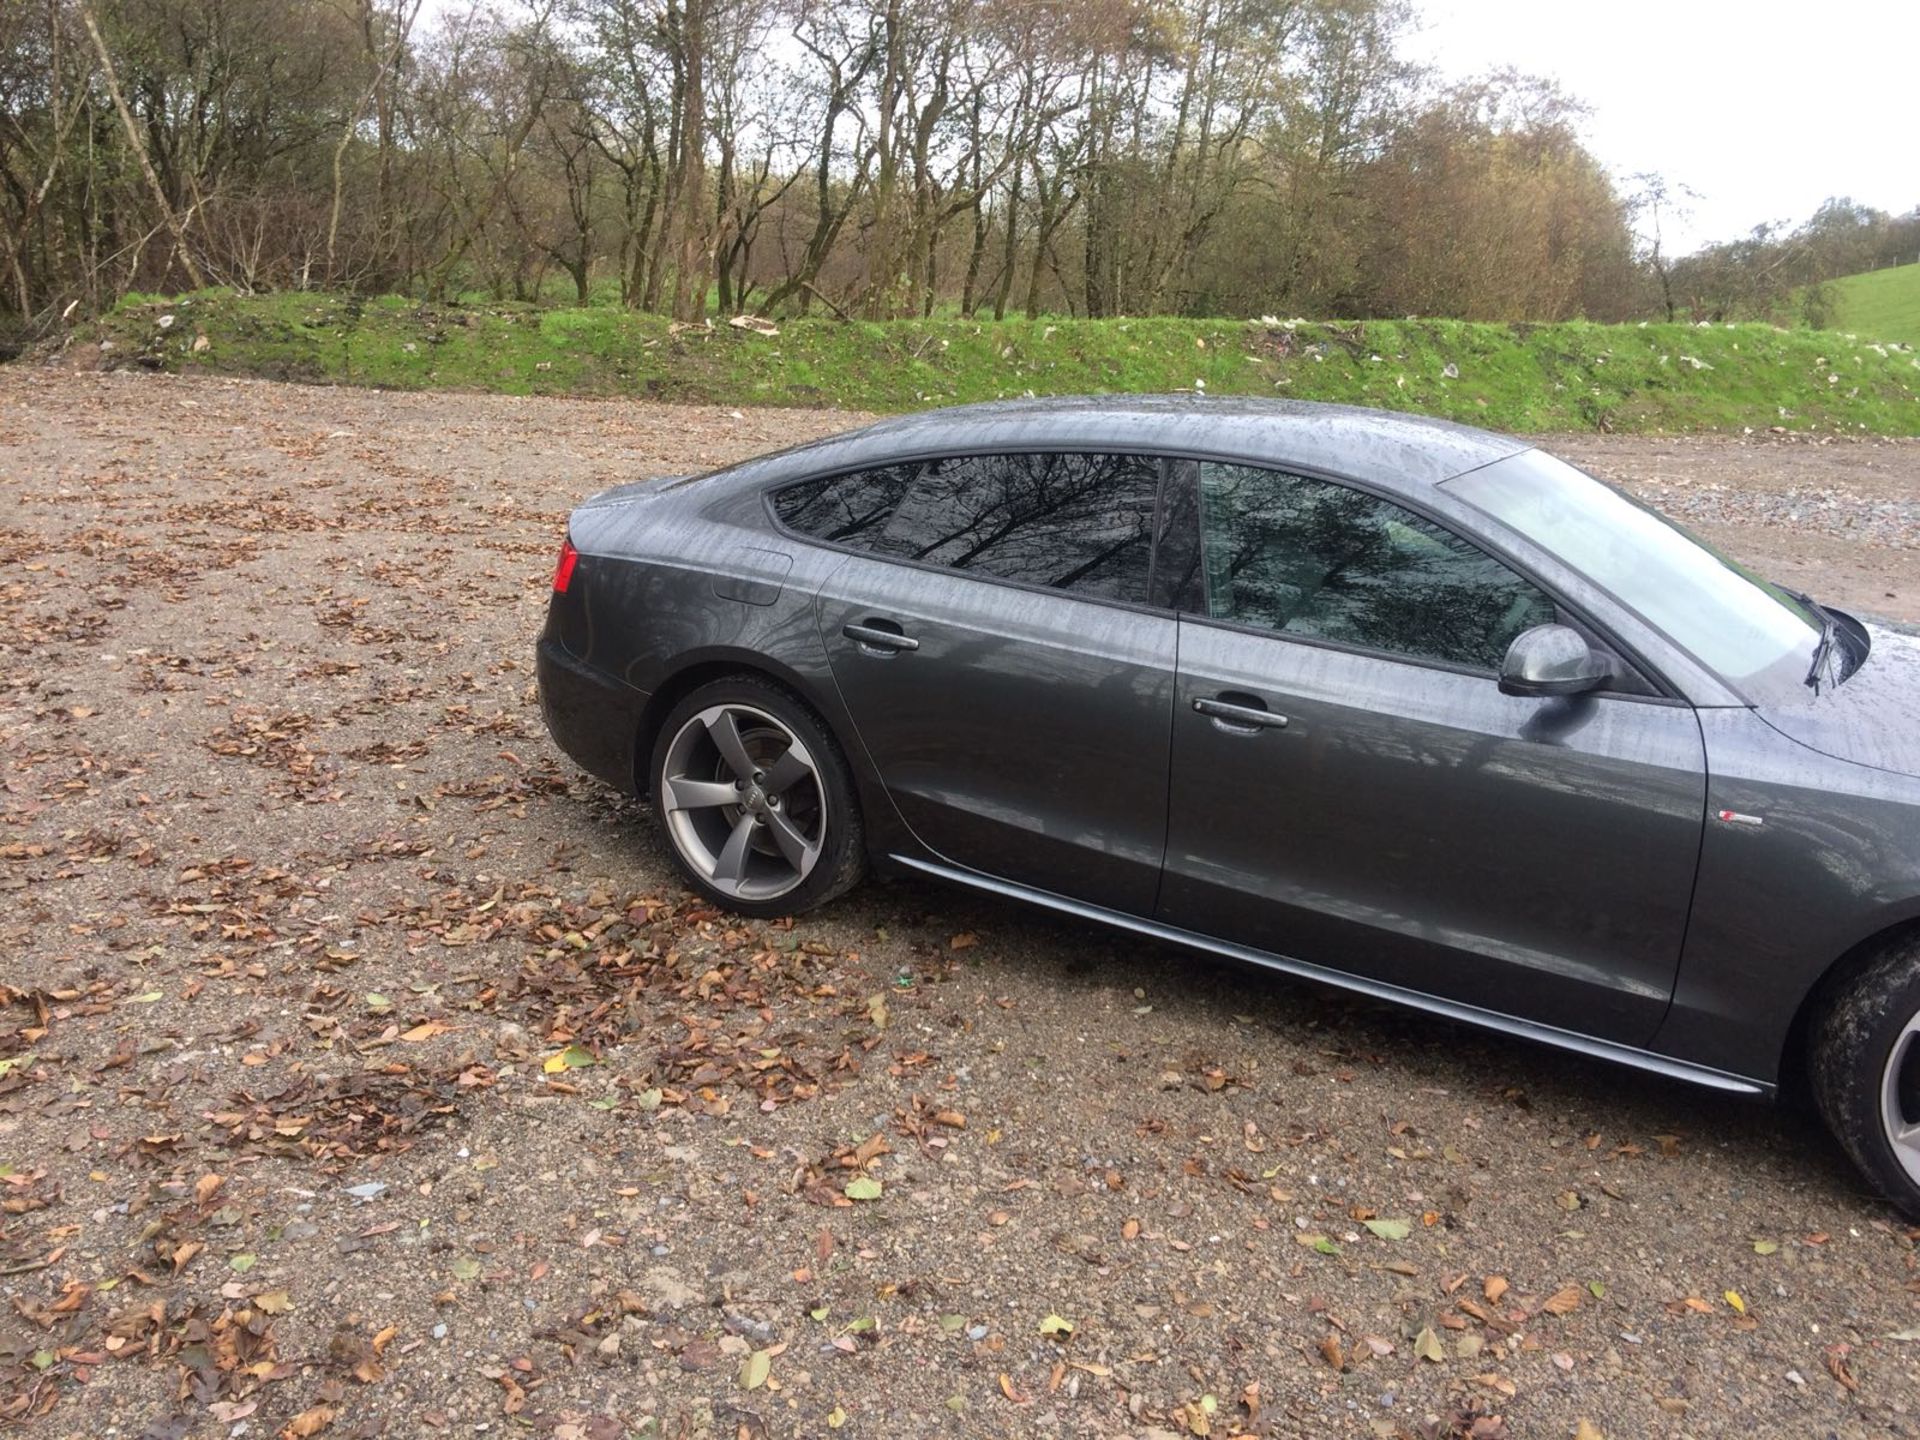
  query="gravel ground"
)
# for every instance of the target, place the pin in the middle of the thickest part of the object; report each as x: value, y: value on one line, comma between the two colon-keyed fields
x: 363, y: 1071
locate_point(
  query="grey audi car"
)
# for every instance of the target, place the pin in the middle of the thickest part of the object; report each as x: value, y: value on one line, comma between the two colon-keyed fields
x: 1399, y: 706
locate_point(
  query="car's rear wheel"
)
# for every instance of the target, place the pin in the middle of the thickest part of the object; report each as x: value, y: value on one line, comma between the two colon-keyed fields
x: 1865, y: 1071
x: 755, y: 799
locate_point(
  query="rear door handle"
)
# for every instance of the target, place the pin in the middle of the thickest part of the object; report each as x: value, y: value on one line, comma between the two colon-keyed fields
x: 879, y: 635
x: 1238, y: 714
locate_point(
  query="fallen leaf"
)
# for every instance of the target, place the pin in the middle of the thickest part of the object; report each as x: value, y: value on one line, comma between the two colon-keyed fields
x: 755, y: 1369
x: 862, y: 1187
x: 308, y: 1422
x: 1428, y: 1347
x: 1563, y: 1301
x: 1330, y: 1350
x: 1389, y: 1229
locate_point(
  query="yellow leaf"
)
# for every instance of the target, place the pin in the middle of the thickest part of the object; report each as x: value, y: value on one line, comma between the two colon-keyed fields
x: 1588, y: 1431
x: 574, y: 1057
x: 1739, y: 1305
x: 755, y: 1369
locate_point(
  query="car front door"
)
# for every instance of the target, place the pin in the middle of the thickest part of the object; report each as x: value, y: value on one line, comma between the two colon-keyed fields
x: 1350, y: 787
x: 992, y: 642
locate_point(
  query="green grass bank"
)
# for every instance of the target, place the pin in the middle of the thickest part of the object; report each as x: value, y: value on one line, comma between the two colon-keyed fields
x: 1510, y: 377
x: 1880, y: 304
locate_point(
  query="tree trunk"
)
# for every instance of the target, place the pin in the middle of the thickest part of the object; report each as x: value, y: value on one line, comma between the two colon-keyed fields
x: 167, y: 215
x: 695, y: 251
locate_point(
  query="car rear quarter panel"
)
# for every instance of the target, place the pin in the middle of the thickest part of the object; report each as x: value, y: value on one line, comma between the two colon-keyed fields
x: 1833, y: 861
x: 686, y: 584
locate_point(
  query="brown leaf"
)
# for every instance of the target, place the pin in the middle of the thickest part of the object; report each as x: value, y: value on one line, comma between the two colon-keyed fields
x: 1495, y: 1287
x: 1330, y: 1351
x: 1563, y: 1301
x: 308, y: 1422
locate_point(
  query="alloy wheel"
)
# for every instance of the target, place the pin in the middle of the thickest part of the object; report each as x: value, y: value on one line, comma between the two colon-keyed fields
x: 1900, y: 1099
x: 743, y: 801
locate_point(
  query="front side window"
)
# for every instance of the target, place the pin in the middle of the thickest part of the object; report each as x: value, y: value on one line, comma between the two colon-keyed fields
x: 1748, y: 631
x: 1314, y: 559
x: 1066, y: 521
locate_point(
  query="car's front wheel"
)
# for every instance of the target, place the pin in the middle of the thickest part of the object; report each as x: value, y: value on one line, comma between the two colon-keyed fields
x: 755, y: 799
x: 1865, y: 1071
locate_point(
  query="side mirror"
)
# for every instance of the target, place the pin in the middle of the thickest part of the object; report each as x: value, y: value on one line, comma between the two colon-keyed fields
x: 1552, y: 660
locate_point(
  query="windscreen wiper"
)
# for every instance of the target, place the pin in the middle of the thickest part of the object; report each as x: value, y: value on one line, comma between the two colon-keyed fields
x: 1829, y: 638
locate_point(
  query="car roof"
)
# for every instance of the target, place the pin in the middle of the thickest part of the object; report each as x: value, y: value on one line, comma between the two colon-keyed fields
x: 1379, y: 447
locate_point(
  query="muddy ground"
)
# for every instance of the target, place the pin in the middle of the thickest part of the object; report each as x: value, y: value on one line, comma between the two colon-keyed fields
x: 365, y: 1071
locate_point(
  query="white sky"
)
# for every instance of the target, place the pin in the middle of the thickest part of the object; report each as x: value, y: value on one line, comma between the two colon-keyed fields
x: 1764, y: 108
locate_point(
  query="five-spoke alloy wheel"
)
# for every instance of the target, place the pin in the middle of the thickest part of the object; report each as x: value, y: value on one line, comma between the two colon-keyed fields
x: 754, y: 799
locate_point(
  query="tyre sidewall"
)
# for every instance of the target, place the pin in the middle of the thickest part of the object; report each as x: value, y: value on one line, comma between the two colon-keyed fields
x: 1853, y: 1043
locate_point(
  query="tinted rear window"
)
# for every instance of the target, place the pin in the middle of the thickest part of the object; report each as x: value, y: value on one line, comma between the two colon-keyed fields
x: 846, y: 509
x: 1074, y: 522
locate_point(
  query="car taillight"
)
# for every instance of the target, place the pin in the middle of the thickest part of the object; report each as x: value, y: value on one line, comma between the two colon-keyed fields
x: 563, y: 571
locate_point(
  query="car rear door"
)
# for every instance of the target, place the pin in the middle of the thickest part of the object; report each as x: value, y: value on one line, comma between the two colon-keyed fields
x: 993, y: 644
x: 1350, y: 787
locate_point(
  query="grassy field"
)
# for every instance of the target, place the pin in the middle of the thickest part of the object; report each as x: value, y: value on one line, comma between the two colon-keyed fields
x: 1880, y: 304
x: 1514, y: 377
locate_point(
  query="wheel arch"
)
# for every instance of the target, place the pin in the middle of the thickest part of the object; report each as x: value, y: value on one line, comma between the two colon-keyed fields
x: 882, y: 824
x: 702, y: 668
x: 1792, y: 1072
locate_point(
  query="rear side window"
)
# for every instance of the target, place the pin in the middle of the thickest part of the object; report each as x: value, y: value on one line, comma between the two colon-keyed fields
x: 1306, y: 557
x: 1066, y: 521
x: 846, y: 509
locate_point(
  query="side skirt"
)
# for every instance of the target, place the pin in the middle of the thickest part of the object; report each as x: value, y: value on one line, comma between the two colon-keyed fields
x: 1379, y: 990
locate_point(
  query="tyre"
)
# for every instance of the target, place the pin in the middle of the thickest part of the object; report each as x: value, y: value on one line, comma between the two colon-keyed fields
x: 755, y: 799
x: 1865, y: 1071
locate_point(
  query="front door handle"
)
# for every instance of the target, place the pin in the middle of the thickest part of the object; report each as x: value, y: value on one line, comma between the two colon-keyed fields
x: 881, y: 635
x: 1242, y: 714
